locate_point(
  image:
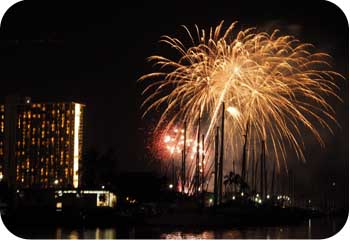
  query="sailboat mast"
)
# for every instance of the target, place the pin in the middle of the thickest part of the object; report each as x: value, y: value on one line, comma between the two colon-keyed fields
x: 216, y: 163
x: 221, y: 163
x: 183, y: 177
x: 197, y: 181
x: 244, y: 159
x: 272, y: 192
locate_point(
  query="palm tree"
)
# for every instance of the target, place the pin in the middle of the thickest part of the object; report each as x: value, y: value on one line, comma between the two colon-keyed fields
x: 228, y: 181
x: 234, y: 182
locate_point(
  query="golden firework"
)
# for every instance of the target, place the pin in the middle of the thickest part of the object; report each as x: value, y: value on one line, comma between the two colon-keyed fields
x: 277, y: 82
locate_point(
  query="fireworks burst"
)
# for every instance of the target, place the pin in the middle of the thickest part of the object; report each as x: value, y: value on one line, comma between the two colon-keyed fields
x: 275, y: 83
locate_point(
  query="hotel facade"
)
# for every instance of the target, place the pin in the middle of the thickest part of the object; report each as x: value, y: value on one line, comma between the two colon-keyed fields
x: 41, y: 144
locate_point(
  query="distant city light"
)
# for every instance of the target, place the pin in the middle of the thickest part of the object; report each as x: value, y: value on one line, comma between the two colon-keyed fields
x: 55, y: 182
x: 233, y: 197
x: 210, y: 200
x: 242, y: 194
x: 268, y: 196
x: 103, y: 187
x: 260, y: 201
x: 171, y: 186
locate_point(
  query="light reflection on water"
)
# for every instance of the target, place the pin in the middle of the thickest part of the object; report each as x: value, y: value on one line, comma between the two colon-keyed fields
x: 312, y: 228
x: 93, y: 233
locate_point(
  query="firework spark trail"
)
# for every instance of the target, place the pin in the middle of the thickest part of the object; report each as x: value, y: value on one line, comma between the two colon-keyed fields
x: 279, y: 83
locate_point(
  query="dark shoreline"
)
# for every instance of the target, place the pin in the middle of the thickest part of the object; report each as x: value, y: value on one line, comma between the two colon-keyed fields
x: 208, y: 217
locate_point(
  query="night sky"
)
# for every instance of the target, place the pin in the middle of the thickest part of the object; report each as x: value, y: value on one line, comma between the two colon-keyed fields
x: 95, y: 53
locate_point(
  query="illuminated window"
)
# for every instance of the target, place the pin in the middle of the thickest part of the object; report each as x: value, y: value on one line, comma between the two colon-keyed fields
x: 59, y: 205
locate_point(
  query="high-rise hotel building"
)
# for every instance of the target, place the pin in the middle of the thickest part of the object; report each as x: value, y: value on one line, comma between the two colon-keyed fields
x: 41, y: 144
